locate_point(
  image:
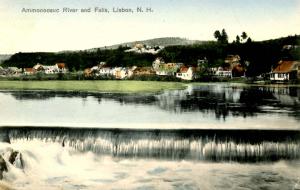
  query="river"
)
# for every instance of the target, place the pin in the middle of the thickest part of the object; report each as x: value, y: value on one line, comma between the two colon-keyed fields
x: 207, y: 136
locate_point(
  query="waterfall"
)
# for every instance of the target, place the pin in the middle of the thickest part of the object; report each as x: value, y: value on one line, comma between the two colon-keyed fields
x: 210, y: 145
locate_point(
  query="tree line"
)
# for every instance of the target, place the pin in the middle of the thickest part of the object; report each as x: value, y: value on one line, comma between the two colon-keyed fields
x: 259, y: 56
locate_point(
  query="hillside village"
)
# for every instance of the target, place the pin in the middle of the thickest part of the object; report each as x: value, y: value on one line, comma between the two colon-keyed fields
x: 233, y: 67
x: 159, y: 68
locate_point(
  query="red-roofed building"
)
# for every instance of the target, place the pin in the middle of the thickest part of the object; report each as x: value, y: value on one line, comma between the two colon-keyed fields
x: 28, y: 71
x: 61, y: 67
x: 285, y: 71
x: 186, y: 73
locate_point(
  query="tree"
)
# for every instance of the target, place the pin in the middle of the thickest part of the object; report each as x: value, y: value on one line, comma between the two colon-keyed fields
x: 224, y: 37
x: 249, y: 40
x: 244, y: 35
x: 217, y: 35
x: 221, y: 37
x: 237, y: 39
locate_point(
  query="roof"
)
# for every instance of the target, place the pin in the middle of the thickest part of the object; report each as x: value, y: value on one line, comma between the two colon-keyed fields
x: 285, y: 66
x: 49, y: 67
x: 95, y: 68
x: 184, y: 69
x: 170, y: 64
x: 37, y: 66
x: 28, y: 69
x: 61, y: 65
x: 13, y: 68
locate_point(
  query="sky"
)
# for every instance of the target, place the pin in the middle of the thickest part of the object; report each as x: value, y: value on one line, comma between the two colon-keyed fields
x: 192, y: 19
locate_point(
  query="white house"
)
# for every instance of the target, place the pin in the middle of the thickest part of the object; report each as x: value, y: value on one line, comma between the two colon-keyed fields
x: 95, y: 68
x: 221, y: 72
x: 38, y: 67
x: 285, y: 71
x: 120, y: 72
x: 61, y: 67
x: 186, y: 73
x: 14, y: 70
x: 105, y: 71
x: 50, y: 69
x: 130, y: 71
x: 224, y: 73
x: 101, y: 70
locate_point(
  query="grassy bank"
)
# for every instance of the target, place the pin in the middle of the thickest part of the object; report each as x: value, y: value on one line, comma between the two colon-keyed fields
x: 92, y: 86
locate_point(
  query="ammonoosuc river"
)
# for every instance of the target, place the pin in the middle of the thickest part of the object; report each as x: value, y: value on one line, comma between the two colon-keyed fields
x: 214, y: 136
x: 202, y: 106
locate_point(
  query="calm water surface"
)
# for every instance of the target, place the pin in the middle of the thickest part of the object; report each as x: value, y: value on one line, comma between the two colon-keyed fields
x: 198, y: 106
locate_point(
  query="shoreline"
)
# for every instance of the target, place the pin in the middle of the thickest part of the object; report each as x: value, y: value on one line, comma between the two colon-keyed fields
x: 116, y: 86
x: 107, y: 86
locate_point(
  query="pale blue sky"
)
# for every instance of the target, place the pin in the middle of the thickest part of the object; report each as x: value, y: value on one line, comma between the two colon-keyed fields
x: 193, y: 19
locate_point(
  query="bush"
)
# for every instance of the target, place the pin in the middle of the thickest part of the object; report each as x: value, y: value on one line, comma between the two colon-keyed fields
x: 40, y: 76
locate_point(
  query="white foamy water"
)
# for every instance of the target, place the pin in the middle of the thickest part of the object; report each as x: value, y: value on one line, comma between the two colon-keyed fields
x: 50, y: 166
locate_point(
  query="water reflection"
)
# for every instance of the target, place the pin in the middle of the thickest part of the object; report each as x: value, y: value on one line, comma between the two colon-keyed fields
x: 221, y: 99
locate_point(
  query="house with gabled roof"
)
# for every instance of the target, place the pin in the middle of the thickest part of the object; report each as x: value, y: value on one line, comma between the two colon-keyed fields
x: 38, y: 67
x: 50, y: 69
x: 285, y: 71
x: 123, y: 72
x: 222, y: 72
x: 28, y: 71
x: 61, y: 67
x: 105, y: 71
x: 186, y: 73
x: 13, y: 70
x: 231, y: 68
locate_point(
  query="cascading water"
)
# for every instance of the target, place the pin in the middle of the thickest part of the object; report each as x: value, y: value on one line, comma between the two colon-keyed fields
x: 210, y: 145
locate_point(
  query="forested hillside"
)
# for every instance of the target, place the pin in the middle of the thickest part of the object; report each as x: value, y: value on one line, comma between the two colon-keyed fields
x: 260, y: 56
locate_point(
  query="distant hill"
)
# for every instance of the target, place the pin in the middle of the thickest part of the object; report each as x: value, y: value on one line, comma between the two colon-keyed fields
x: 167, y: 41
x: 4, y: 57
